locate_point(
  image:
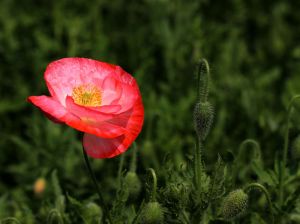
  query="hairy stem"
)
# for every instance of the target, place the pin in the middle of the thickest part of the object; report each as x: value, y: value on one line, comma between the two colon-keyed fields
x: 154, y: 186
x: 255, y: 145
x: 198, y: 163
x: 136, y: 218
x: 133, y: 158
x: 121, y: 164
x: 106, y: 211
x: 260, y: 187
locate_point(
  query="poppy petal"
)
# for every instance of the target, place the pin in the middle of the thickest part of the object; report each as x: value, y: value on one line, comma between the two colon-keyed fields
x: 85, y: 112
x: 111, y: 90
x: 93, y: 122
x: 106, y: 148
x: 63, y: 75
x: 51, y: 108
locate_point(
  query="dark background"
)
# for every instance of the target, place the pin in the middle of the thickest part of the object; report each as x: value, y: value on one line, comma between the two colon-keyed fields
x: 253, y: 48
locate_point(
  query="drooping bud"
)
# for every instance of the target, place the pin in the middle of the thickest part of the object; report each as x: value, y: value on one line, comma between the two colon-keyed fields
x: 296, y: 148
x: 203, y: 119
x: 234, y: 204
x: 152, y: 213
x: 133, y: 184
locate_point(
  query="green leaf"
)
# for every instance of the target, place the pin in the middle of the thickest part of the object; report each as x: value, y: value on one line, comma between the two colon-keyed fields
x: 291, y: 201
x: 265, y: 177
x: 216, y: 186
x: 59, y: 197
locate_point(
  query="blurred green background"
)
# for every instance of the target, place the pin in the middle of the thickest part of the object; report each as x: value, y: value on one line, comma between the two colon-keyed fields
x: 253, y: 48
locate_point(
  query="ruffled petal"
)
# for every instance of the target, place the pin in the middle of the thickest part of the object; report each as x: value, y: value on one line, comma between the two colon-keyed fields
x: 136, y: 120
x: 50, y: 107
x: 109, y: 147
x: 93, y: 122
x: 105, y: 147
x: 111, y: 90
x: 130, y: 94
x: 85, y: 113
x: 105, y: 130
x: 63, y: 75
x: 108, y: 109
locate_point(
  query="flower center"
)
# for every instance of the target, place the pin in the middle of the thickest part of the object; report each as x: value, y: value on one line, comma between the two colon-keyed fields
x: 87, y: 95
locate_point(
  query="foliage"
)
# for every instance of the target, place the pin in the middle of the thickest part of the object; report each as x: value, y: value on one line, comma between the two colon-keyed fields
x: 254, y: 53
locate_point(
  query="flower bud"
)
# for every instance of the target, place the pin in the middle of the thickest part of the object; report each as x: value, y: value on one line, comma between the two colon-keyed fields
x: 296, y: 148
x: 147, y: 147
x: 152, y: 213
x: 92, y: 213
x: 39, y: 186
x: 203, y: 118
x: 234, y: 204
x: 133, y: 184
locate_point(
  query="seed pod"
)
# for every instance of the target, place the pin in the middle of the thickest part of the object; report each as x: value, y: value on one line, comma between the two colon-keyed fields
x: 234, y: 204
x: 203, y: 119
x: 133, y: 184
x: 296, y: 148
x: 152, y: 213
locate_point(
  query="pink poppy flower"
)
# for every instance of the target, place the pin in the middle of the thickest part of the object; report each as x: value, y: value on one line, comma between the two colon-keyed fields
x: 97, y: 98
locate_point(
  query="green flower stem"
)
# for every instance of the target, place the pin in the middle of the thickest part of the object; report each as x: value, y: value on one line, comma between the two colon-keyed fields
x: 137, y: 217
x: 185, y: 216
x: 198, y: 163
x: 121, y: 164
x: 133, y: 159
x: 154, y: 186
x: 256, y: 146
x: 285, y: 151
x: 260, y: 187
x: 106, y: 211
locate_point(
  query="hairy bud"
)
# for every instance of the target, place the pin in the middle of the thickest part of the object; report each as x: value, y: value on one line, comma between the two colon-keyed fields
x: 296, y: 148
x: 234, y: 204
x: 133, y: 184
x: 152, y: 213
x: 203, y: 118
x: 92, y: 213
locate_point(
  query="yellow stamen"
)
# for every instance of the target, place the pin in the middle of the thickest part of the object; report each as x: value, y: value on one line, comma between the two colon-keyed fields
x: 87, y: 95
